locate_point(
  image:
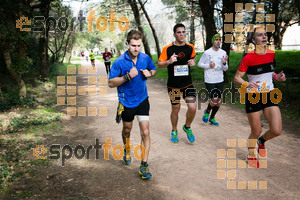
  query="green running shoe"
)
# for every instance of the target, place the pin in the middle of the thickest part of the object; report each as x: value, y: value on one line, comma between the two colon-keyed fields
x: 213, y: 122
x: 205, y: 117
x: 127, y: 161
x: 189, y: 133
x: 174, y: 137
x: 144, y: 171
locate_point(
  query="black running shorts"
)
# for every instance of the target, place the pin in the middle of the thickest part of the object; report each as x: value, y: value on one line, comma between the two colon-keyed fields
x: 251, y: 106
x: 142, y: 109
x: 214, y: 89
x: 175, y: 94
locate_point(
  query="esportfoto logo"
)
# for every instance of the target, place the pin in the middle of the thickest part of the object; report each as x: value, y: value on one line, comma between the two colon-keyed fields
x: 66, y: 152
x: 39, y: 23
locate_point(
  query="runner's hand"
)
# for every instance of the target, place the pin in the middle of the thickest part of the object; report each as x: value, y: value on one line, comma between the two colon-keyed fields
x: 224, y: 60
x: 146, y: 73
x: 280, y: 76
x: 173, y: 59
x: 191, y: 62
x: 212, y: 64
x: 133, y: 72
x: 253, y: 84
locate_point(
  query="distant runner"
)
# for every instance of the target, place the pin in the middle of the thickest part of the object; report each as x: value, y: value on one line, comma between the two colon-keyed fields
x: 92, y: 55
x: 82, y: 55
x: 107, y: 56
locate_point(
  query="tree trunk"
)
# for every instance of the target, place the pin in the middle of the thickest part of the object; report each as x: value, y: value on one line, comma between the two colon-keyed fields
x: 136, y: 13
x: 43, y: 59
x: 70, y: 57
x: 192, y: 25
x: 1, y: 96
x: 280, y: 38
x: 70, y: 44
x: 152, y: 28
x: 278, y: 43
x: 228, y: 7
x: 207, y: 10
x: 44, y: 41
x: 15, y: 75
x: 66, y: 48
x: 202, y: 31
x: 276, y: 34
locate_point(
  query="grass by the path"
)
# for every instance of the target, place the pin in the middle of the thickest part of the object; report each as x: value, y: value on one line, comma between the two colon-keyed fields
x: 25, y: 125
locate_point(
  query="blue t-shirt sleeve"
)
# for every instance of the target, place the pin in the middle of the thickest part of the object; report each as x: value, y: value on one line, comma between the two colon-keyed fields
x: 151, y: 65
x: 115, y: 70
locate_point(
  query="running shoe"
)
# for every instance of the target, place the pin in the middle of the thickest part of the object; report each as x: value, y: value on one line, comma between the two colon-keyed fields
x: 252, y: 161
x: 174, y: 137
x: 189, y: 134
x: 262, y: 151
x: 205, y: 116
x: 127, y: 160
x: 144, y: 171
x: 213, y: 122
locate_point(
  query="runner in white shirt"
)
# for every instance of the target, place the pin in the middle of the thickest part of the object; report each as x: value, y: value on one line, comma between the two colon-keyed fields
x: 214, y: 62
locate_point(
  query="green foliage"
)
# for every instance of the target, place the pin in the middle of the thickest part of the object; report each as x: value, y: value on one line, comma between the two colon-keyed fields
x: 120, y: 46
x: 36, y: 117
x: 14, y: 100
x: 25, y: 121
x: 182, y: 14
x: 101, y: 39
x: 20, y: 65
x: 22, y: 131
x: 12, y: 165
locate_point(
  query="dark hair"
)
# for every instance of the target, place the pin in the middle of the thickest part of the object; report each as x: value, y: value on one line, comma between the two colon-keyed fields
x: 134, y: 34
x: 250, y: 36
x: 177, y: 26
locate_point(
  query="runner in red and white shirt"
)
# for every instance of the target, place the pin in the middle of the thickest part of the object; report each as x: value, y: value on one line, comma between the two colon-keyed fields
x: 107, y: 56
x: 82, y: 55
x: 260, y: 68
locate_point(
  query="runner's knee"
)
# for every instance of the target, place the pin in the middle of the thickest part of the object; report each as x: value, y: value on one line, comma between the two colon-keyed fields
x: 216, y: 101
x: 127, y: 129
x: 276, y: 131
x: 256, y: 131
x: 145, y: 132
x: 175, y: 109
x: 192, y: 108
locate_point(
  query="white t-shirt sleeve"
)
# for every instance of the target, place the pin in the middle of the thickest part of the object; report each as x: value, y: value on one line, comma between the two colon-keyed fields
x: 204, y: 61
x: 225, y: 67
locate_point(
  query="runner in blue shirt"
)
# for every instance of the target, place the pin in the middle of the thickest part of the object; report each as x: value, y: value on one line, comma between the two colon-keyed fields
x: 129, y: 74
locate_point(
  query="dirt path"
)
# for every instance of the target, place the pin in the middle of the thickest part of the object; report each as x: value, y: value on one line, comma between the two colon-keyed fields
x: 180, y: 171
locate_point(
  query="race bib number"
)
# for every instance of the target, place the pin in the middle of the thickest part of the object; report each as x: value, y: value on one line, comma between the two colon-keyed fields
x: 181, y: 70
x: 107, y: 58
x: 217, y: 70
x: 263, y: 88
